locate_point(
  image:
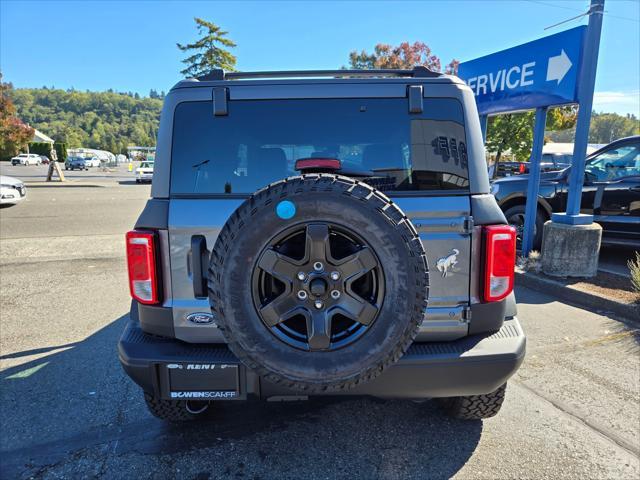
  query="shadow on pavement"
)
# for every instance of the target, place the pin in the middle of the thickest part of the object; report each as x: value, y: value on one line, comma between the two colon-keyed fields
x: 37, y: 351
x: 132, y: 182
x: 65, y: 184
x: 79, y: 400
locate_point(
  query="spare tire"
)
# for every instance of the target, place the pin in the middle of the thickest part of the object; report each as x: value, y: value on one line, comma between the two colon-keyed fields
x: 318, y: 282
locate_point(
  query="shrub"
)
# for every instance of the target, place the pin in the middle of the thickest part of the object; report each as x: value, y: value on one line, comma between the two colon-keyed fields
x: 532, y: 263
x: 61, y: 150
x: 40, y: 148
x: 634, y: 268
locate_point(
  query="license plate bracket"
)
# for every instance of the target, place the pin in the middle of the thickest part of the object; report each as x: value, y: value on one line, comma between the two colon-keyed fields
x: 200, y: 381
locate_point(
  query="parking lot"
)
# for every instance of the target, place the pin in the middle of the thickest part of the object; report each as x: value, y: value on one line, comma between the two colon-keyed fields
x: 67, y: 410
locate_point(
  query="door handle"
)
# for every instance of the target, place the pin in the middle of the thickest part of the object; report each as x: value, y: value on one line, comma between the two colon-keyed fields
x: 199, y: 261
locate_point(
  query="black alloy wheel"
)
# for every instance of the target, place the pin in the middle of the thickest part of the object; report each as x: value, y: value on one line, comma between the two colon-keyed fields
x: 318, y: 286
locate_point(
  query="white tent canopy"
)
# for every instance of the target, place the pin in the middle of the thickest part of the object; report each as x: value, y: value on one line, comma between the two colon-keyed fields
x: 39, y: 137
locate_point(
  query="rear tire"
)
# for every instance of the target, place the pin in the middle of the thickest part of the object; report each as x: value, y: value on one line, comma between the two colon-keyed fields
x: 515, y: 218
x: 474, y: 407
x: 175, y: 410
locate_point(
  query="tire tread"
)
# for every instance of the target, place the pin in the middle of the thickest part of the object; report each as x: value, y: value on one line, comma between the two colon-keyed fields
x: 475, y: 407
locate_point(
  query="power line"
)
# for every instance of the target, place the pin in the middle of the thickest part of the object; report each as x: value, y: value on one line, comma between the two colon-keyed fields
x: 564, y: 7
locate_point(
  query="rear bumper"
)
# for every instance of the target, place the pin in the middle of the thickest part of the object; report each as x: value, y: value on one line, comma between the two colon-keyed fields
x: 473, y: 365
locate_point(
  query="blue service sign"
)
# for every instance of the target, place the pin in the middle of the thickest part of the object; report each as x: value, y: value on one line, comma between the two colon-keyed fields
x: 536, y: 74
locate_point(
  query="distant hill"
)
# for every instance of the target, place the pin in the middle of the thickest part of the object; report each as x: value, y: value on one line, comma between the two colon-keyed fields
x: 104, y: 120
x: 112, y: 121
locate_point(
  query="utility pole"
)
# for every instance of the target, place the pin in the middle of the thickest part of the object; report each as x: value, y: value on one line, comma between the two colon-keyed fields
x: 571, y: 241
x: 586, y: 87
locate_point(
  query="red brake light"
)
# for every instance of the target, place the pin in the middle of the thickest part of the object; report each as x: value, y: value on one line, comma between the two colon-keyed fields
x: 318, y: 164
x: 521, y: 168
x: 500, y: 259
x: 141, y: 262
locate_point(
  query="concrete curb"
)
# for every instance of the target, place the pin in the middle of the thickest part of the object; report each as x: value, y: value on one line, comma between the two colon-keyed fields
x: 577, y: 297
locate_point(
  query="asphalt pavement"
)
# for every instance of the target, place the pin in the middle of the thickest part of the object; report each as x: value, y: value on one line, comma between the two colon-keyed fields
x: 67, y: 410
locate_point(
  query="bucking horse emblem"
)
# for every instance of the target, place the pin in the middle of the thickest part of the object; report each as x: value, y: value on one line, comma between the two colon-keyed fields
x: 445, y: 264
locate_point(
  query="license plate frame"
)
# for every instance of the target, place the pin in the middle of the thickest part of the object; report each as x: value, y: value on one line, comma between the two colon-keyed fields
x: 201, y: 381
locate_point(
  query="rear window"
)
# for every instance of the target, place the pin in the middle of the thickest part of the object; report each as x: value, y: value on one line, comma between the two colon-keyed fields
x: 260, y: 141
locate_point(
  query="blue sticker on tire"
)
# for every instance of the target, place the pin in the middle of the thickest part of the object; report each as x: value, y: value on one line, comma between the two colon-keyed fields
x: 286, y: 209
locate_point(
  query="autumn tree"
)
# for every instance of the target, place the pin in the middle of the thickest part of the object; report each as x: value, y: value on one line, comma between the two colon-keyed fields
x: 403, y: 56
x: 14, y: 134
x: 208, y: 53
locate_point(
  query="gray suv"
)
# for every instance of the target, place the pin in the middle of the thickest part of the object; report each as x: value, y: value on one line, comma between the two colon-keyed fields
x: 321, y: 233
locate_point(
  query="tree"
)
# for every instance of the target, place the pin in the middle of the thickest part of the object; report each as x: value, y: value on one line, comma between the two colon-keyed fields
x: 14, y: 134
x: 604, y: 128
x: 514, y: 131
x: 403, y: 56
x: 208, y: 55
x: 102, y: 120
x: 607, y: 127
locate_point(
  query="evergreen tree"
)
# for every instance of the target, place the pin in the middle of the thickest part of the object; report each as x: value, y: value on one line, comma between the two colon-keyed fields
x: 207, y: 53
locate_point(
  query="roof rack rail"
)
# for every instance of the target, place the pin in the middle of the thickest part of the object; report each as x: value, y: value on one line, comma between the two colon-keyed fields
x: 416, y: 72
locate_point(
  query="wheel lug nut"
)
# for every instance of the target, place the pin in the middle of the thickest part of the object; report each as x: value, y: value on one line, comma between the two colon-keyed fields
x: 301, y: 276
x: 335, y: 294
x: 318, y: 266
x: 302, y: 295
x: 318, y: 304
x: 335, y: 275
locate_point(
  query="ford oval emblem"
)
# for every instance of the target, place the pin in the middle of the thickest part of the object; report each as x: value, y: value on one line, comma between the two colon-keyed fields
x: 200, y: 318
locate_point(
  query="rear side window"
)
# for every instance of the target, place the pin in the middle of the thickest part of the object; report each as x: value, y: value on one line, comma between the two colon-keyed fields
x: 375, y: 139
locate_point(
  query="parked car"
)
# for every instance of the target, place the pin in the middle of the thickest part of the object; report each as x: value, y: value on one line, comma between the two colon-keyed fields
x: 26, y: 159
x: 44, y: 159
x: 77, y: 163
x: 92, y: 161
x: 555, y: 161
x: 549, y: 162
x: 144, y: 173
x: 296, y: 256
x: 611, y: 192
x: 507, y: 169
x: 12, y: 190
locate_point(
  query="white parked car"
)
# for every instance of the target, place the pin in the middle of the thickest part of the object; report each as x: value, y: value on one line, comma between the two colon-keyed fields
x: 92, y: 161
x: 26, y: 159
x: 12, y: 190
x: 144, y: 173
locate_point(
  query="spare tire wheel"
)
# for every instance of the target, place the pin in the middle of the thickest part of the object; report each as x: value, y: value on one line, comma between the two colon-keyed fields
x: 318, y: 282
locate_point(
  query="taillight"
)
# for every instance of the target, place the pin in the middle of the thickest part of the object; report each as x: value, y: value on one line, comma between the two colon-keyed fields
x: 141, y: 261
x: 500, y: 259
x: 521, y: 168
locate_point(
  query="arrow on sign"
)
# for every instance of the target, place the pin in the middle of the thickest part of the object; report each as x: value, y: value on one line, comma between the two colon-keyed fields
x: 558, y: 67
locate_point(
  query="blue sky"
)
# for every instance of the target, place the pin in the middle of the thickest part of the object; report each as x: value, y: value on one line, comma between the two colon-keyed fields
x: 130, y: 46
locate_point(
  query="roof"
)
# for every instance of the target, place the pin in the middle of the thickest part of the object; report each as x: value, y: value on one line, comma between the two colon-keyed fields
x: 39, y: 137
